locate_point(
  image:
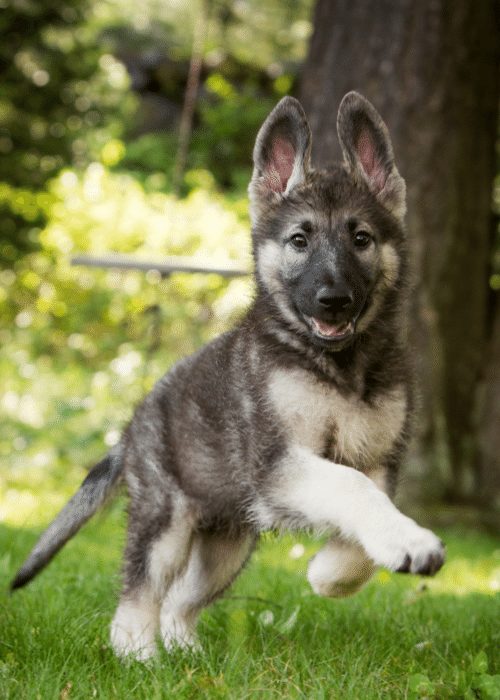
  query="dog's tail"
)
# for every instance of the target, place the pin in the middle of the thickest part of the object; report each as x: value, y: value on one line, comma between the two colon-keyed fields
x: 94, y: 491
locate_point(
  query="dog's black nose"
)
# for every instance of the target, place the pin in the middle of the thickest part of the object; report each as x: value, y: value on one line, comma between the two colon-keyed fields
x: 332, y: 299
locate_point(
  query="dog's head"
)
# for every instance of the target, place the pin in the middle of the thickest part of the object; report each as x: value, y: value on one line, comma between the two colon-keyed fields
x: 327, y: 244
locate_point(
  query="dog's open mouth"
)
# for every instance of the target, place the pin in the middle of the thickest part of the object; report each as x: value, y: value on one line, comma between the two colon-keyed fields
x: 331, y: 331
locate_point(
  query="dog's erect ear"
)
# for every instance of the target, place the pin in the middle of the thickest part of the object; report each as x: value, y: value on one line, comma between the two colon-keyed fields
x: 281, y: 153
x: 367, y: 150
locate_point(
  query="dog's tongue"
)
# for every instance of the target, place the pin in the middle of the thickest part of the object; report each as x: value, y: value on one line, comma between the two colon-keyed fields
x: 328, y: 329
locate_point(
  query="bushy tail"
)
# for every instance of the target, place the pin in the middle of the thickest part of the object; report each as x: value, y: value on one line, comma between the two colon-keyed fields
x: 95, y: 489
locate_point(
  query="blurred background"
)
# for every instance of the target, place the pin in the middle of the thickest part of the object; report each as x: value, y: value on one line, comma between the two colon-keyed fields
x: 128, y: 127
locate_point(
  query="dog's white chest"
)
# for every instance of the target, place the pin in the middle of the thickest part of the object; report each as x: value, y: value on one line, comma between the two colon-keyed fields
x: 317, y: 416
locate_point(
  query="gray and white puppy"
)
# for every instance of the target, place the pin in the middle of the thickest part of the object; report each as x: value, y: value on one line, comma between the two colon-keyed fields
x: 297, y: 418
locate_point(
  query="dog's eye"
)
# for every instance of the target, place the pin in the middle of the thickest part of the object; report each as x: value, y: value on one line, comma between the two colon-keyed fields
x: 298, y: 241
x: 361, y: 239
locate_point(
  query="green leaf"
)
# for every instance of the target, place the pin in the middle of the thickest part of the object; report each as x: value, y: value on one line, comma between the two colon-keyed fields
x: 420, y: 686
x: 480, y: 663
x: 487, y: 687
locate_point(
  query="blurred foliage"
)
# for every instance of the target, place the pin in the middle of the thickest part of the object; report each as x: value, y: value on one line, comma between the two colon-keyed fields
x: 80, y: 74
x: 227, y: 121
x: 61, y: 97
x: 80, y: 346
x: 85, y: 166
x: 263, y: 33
x: 252, y: 56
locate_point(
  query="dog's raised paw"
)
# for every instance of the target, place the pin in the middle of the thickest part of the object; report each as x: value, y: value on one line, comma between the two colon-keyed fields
x: 405, y: 566
x: 429, y: 565
x: 425, y: 555
x: 406, y: 548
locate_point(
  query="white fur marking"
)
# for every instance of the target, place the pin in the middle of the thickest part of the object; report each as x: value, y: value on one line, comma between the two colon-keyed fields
x: 134, y: 627
x: 178, y: 631
x: 390, y: 263
x: 297, y: 176
x: 269, y: 263
x: 331, y: 496
x: 213, y: 562
x: 389, y: 266
x: 168, y: 553
x: 394, y: 194
x: 379, y: 478
x: 310, y: 409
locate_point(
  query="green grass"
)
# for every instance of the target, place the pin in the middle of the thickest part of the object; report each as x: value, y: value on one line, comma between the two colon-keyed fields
x: 270, y: 637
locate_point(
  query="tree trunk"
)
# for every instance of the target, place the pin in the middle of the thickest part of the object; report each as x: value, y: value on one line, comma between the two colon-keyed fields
x: 430, y: 68
x: 488, y: 457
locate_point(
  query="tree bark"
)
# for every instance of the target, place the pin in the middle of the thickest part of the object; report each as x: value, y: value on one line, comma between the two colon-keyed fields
x: 488, y: 456
x: 430, y: 68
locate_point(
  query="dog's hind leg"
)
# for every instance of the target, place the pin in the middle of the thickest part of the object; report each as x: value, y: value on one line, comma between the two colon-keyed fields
x: 339, y: 569
x: 134, y: 625
x: 157, y: 550
x: 215, y: 560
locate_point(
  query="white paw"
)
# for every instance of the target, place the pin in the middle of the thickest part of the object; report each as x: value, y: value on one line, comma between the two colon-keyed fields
x: 133, y: 633
x: 402, y: 545
x: 339, y: 570
x: 178, y: 632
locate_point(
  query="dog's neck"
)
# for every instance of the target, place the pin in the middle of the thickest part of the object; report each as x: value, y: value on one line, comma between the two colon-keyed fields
x: 349, y: 369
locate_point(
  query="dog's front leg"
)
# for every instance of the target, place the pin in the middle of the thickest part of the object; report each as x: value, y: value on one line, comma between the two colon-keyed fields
x: 307, y: 490
x: 342, y: 567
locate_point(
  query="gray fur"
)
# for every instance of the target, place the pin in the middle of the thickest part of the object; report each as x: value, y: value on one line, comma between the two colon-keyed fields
x: 298, y: 417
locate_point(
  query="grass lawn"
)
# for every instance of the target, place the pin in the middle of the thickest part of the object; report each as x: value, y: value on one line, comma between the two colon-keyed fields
x: 270, y: 637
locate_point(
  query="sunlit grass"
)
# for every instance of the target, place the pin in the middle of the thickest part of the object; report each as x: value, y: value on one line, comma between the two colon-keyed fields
x: 462, y: 576
x: 269, y: 637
